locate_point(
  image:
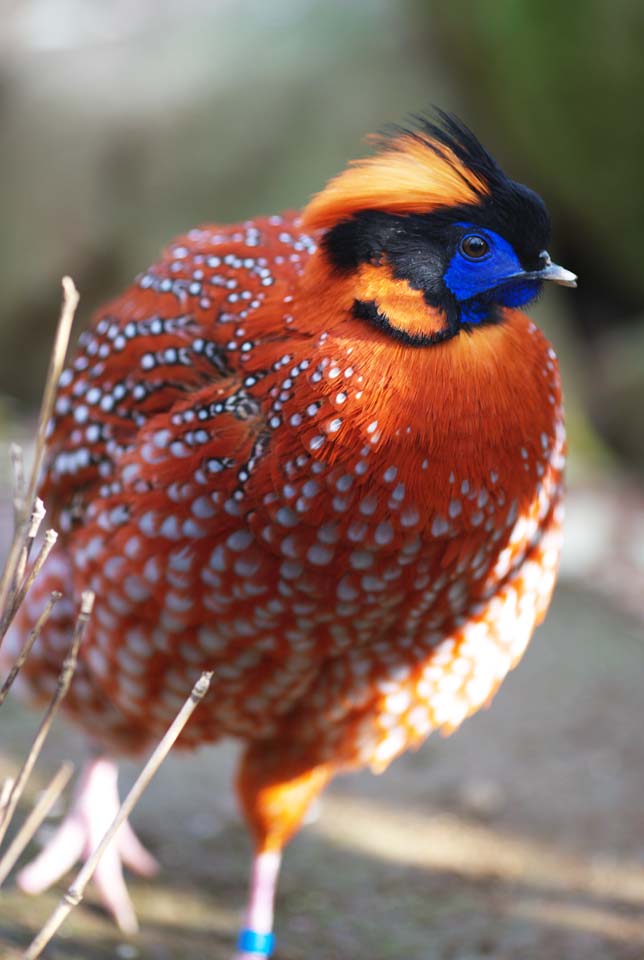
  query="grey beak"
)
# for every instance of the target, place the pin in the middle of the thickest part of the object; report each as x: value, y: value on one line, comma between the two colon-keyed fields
x: 552, y: 271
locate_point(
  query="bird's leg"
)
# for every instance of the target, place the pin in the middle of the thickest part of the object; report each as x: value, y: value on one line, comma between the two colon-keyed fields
x: 95, y: 805
x: 256, y: 938
x: 276, y: 786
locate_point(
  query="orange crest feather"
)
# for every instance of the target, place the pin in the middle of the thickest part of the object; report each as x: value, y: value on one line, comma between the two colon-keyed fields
x: 412, y: 174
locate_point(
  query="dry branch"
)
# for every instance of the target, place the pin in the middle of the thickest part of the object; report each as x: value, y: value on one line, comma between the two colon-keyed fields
x: 10, y: 580
x: 64, y: 680
x: 21, y: 592
x: 5, y: 793
x: 37, y: 516
x: 18, y: 488
x: 75, y: 892
x: 28, y: 644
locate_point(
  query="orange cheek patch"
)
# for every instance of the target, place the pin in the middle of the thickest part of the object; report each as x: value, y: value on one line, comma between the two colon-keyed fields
x: 404, y: 307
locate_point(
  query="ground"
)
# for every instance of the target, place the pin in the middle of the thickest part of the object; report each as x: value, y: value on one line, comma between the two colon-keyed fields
x: 521, y: 836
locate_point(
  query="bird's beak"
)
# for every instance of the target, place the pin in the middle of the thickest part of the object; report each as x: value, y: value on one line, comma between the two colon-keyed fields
x: 552, y: 271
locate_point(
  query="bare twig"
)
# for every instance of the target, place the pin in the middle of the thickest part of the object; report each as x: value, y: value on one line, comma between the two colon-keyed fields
x: 21, y: 591
x: 36, y: 518
x: 68, y: 309
x: 5, y: 793
x: 56, y: 362
x: 18, y: 488
x: 75, y: 892
x: 28, y: 644
x: 64, y: 680
x: 45, y: 803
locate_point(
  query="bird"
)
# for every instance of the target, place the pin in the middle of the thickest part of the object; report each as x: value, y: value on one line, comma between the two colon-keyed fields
x: 321, y: 455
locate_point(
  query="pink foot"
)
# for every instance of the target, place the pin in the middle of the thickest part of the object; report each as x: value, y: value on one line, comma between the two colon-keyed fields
x: 95, y: 806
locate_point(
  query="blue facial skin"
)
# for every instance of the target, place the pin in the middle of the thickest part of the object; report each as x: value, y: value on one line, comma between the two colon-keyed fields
x: 479, y: 283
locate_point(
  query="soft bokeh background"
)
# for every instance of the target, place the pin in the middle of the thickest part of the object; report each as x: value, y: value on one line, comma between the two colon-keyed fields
x: 124, y: 122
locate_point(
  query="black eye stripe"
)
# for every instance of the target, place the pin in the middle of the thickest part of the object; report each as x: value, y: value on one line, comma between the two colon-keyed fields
x: 474, y: 246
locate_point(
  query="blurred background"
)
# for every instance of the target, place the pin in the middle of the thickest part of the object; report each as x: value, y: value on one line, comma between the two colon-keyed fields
x: 125, y: 122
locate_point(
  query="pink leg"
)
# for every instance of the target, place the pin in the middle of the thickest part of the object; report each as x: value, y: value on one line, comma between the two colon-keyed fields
x: 259, y: 912
x: 95, y: 805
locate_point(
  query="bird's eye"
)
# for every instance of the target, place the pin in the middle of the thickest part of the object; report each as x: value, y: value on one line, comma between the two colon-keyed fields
x: 474, y: 246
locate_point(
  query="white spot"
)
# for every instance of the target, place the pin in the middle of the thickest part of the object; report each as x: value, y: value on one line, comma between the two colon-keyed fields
x: 210, y: 641
x: 409, y: 517
x: 398, y: 493
x: 384, y: 533
x: 218, y: 559
x: 246, y: 566
x: 203, y: 508
x: 178, y: 603
x: 137, y: 642
x: 291, y: 569
x: 132, y: 547
x: 135, y: 589
x: 439, y: 526
x: 389, y: 747
x: 397, y: 703
x: 240, y: 540
x: 369, y: 505
x: 319, y: 555
x: 345, y: 591
x: 148, y: 523
x: 286, y: 517
x: 170, y: 528
x: 361, y: 559
x: 372, y: 584
x: 357, y: 532
x: 310, y: 489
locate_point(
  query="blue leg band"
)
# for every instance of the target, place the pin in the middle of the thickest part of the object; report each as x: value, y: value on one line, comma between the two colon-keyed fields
x: 249, y: 941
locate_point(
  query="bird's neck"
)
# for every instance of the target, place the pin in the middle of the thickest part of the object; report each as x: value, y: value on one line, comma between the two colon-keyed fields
x: 472, y: 406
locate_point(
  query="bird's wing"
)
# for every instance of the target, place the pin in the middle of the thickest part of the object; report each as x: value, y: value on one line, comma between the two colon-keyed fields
x: 185, y: 323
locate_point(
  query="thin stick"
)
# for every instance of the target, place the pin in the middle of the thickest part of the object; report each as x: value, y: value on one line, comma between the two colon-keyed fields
x: 36, y: 518
x: 28, y: 644
x: 64, y: 680
x: 75, y: 892
x: 68, y: 309
x: 21, y: 591
x: 56, y: 363
x: 5, y: 793
x: 18, y: 488
x: 45, y: 802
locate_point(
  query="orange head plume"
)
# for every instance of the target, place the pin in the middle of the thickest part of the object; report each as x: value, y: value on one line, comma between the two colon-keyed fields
x: 417, y: 170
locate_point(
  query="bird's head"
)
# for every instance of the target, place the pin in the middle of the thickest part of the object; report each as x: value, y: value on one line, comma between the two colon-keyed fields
x: 432, y: 236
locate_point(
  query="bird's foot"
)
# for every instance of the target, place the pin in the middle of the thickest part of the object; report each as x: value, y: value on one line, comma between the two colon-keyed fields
x: 93, y: 810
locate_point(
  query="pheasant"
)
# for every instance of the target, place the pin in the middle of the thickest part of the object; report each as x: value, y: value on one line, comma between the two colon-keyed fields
x: 321, y: 455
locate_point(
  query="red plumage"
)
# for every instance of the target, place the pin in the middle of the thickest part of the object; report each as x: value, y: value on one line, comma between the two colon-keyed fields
x: 355, y: 535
